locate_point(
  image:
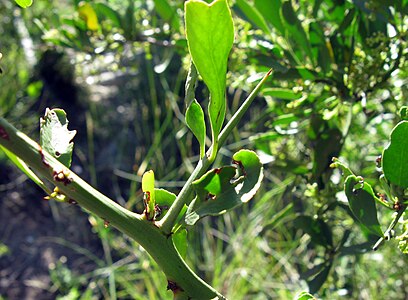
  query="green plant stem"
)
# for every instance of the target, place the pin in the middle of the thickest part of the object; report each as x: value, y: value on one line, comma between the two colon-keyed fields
x: 160, y: 246
x: 170, y: 218
x: 394, y: 222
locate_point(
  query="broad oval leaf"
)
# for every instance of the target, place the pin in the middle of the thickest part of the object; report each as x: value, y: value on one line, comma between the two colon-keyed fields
x: 195, y: 121
x: 361, y: 199
x: 395, y: 156
x: 55, y: 137
x: 210, y: 35
x: 223, y: 189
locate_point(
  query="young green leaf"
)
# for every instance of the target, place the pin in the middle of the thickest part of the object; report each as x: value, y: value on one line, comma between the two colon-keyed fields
x: 395, y: 156
x: 210, y: 35
x: 55, y: 137
x: 361, y: 199
x: 24, y: 3
x: 195, y: 121
x: 149, y: 194
x: 223, y: 189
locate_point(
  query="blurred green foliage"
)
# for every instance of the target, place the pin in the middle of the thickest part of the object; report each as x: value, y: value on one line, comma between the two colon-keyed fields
x: 340, y: 77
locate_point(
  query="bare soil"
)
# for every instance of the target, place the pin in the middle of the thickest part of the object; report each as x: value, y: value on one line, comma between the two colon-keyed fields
x: 38, y: 235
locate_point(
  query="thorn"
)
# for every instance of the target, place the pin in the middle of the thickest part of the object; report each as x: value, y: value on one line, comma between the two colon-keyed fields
x: 106, y: 223
x: 72, y: 201
x: 4, y: 134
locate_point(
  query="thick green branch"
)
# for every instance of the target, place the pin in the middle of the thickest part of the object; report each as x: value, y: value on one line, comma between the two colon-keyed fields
x: 146, y: 233
x: 169, y: 219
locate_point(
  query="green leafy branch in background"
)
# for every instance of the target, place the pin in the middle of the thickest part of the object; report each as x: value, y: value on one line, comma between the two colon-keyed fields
x: 394, y: 182
x: 161, y: 228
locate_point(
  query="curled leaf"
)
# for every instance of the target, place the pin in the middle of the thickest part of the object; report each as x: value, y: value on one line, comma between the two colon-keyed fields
x: 55, y: 137
x: 223, y: 189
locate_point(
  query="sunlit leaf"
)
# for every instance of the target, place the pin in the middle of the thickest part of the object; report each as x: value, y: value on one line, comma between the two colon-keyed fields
x: 55, y: 137
x: 24, y: 3
x: 149, y: 193
x: 395, y: 156
x: 210, y: 35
